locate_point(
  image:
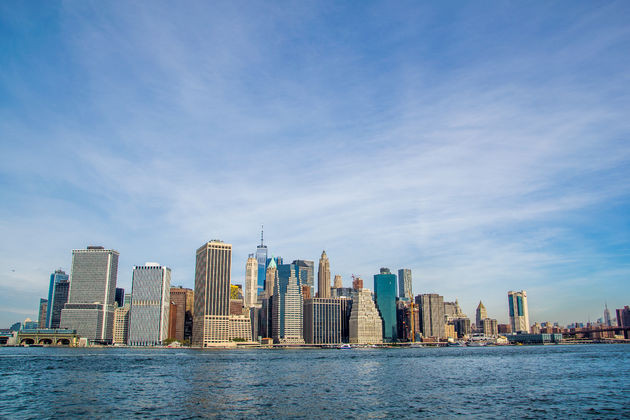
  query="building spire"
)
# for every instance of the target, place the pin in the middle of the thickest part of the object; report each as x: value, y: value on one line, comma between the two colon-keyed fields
x: 262, y: 230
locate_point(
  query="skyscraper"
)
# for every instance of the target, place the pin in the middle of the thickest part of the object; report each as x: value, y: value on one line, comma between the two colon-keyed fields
x: 183, y: 300
x: 120, y: 297
x: 405, y: 283
x: 251, y: 281
x: 323, y: 276
x: 57, y: 297
x: 607, y: 320
x: 338, y: 284
x: 431, y: 315
x: 357, y: 283
x: 270, y: 278
x: 306, y: 275
x: 322, y: 321
x: 519, y: 315
x: 43, y: 309
x: 261, y: 259
x: 90, y: 307
x: 287, y: 315
x: 149, y: 313
x: 212, y: 294
x: 481, y: 315
x: 365, y: 325
x: 121, y: 325
x: 385, y: 297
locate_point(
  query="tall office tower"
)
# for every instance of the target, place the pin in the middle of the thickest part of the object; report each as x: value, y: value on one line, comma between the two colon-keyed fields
x: 453, y: 311
x: 287, y: 315
x: 121, y: 325
x: 149, y: 314
x: 183, y: 300
x: 519, y: 315
x: 270, y: 278
x: 357, y: 283
x: 385, y: 296
x: 90, y: 307
x: 306, y: 275
x: 462, y: 327
x: 323, y: 276
x: 607, y: 321
x: 57, y: 297
x: 251, y: 281
x: 407, y: 319
x: 337, y: 284
x: 261, y: 259
x: 120, y: 297
x: 43, y: 309
x: 431, y: 315
x: 405, y: 284
x: 489, y: 327
x: 365, y: 325
x: 212, y: 294
x: 322, y: 321
x: 481, y: 315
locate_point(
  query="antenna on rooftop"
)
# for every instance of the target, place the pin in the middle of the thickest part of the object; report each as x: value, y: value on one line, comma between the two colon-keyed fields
x: 262, y: 230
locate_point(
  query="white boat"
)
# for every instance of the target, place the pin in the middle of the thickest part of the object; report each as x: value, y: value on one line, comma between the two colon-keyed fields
x: 344, y: 346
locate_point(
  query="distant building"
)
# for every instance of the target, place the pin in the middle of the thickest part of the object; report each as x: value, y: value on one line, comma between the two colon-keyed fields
x: 432, y: 319
x: 90, y: 307
x: 121, y: 325
x: 357, y: 283
x: 481, y: 315
x: 462, y: 327
x: 385, y: 297
x: 261, y: 259
x: 453, y: 311
x: 306, y: 275
x: 43, y: 309
x: 405, y: 284
x: 251, y: 281
x: 183, y: 300
x: 365, y: 325
x: 127, y: 300
x: 57, y: 298
x: 270, y: 278
x: 504, y: 328
x: 149, y: 313
x: 337, y: 284
x: 323, y: 321
x: 489, y: 327
x: 212, y: 294
x: 342, y: 292
x: 623, y: 319
x: 120, y: 297
x: 323, y: 276
x: 287, y: 315
x: 519, y: 314
x: 306, y: 292
x: 408, y: 320
x: 607, y: 320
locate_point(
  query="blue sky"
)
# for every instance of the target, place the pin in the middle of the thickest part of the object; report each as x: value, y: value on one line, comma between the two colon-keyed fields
x: 483, y: 145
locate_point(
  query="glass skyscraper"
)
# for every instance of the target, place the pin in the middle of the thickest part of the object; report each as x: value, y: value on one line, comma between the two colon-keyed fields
x: 404, y: 284
x: 261, y: 258
x: 519, y: 314
x: 57, y: 297
x: 385, y: 296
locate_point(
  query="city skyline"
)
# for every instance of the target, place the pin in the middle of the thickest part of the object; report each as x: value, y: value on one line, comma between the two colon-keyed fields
x: 484, y: 148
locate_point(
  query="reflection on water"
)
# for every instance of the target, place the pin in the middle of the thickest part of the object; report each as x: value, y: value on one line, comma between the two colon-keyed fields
x: 519, y: 381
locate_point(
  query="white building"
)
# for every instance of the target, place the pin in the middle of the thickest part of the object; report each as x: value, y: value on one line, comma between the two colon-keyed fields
x: 519, y: 314
x: 251, y: 281
x: 366, y: 325
x: 149, y: 313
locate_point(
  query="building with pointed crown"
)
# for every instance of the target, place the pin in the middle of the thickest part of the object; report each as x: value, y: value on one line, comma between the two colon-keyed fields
x: 481, y: 315
x: 323, y: 276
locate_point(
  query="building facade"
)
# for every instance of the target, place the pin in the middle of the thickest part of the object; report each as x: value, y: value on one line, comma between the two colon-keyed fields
x: 519, y: 314
x: 183, y: 301
x: 365, y: 324
x: 323, y: 277
x: 251, y: 281
x: 57, y: 297
x: 261, y: 260
x: 323, y: 321
x: 338, y: 283
x: 121, y: 325
x: 119, y: 300
x: 90, y: 306
x: 385, y: 297
x: 306, y: 275
x: 149, y: 313
x: 490, y: 327
x: 481, y: 315
x: 270, y: 278
x: 212, y: 294
x: 432, y: 320
x: 287, y: 307
x: 43, y: 310
x: 405, y: 284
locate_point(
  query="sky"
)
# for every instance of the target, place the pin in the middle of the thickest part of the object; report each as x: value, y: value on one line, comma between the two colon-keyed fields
x: 484, y: 145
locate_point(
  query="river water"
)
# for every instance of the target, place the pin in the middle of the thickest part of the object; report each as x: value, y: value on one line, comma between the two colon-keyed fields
x: 536, y: 382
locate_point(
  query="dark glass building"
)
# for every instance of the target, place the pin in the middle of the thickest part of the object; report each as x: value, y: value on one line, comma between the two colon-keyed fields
x: 57, y: 297
x: 120, y: 297
x: 385, y: 297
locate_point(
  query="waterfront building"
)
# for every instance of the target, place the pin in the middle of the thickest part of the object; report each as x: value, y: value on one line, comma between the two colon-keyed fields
x: 431, y: 308
x: 462, y: 327
x: 504, y: 328
x: 405, y: 284
x: 121, y: 325
x: 29, y: 324
x: 449, y: 331
x: 120, y: 297
x: 519, y: 314
x: 481, y: 315
x: 287, y: 307
x: 357, y: 283
x: 265, y: 318
x: 490, y: 327
x: 212, y: 294
x: 527, y: 338
x: 90, y: 306
x: 337, y: 284
x: 453, y: 311
x: 270, y: 278
x: 251, y: 281
x: 57, y: 298
x: 365, y: 324
x: 323, y: 276
x: 306, y: 275
x: 385, y: 297
x: 261, y: 259
x: 408, y: 320
x: 240, y: 328
x: 149, y: 313
x: 322, y: 321
x: 43, y: 309
x: 607, y: 320
x: 181, y: 313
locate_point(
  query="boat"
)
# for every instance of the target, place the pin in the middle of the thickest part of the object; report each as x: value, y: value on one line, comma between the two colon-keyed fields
x: 457, y: 344
x: 344, y: 347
